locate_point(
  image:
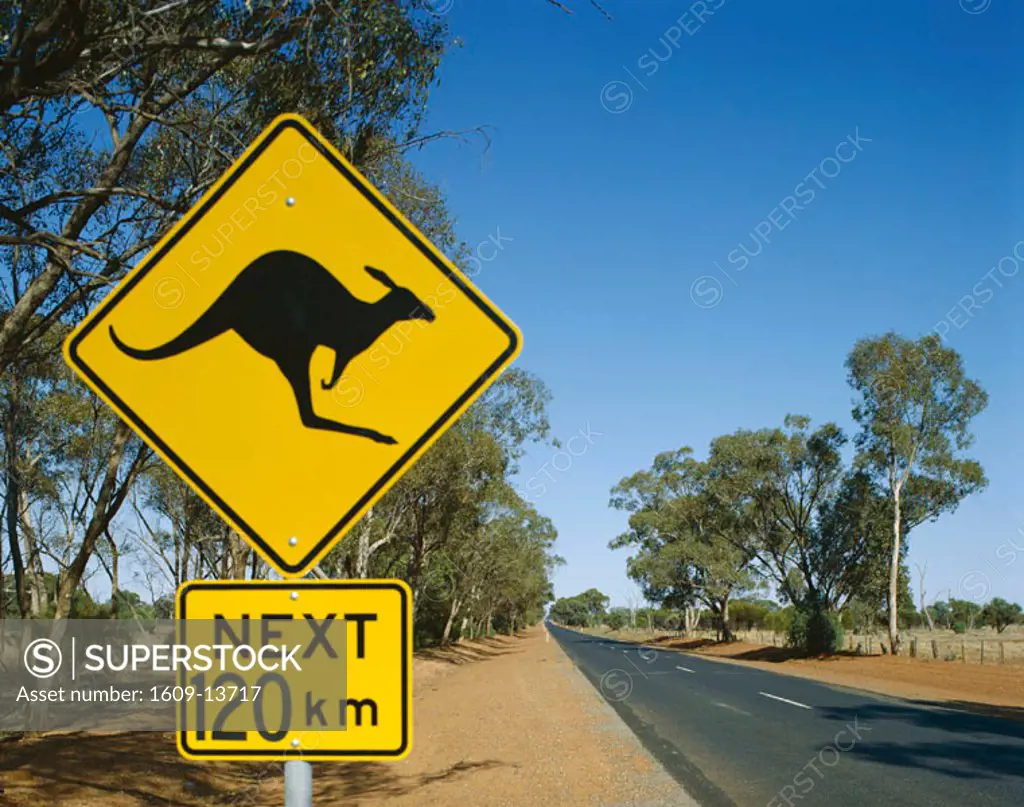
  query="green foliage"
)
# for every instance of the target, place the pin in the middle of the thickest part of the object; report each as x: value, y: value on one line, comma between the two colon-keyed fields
x: 966, y: 612
x: 129, y: 605
x: 815, y: 630
x: 617, y: 619
x: 666, y: 619
x: 1000, y: 614
x: 959, y: 627
x: 780, y: 620
x: 583, y: 610
x: 942, y: 613
x: 163, y: 608
x: 683, y: 535
x: 810, y: 526
x: 748, y: 615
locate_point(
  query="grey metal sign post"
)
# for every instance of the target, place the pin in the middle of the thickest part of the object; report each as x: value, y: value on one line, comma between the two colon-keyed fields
x: 298, y: 774
x: 298, y: 783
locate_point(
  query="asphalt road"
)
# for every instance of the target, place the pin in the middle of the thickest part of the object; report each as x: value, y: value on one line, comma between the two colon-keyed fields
x: 742, y: 737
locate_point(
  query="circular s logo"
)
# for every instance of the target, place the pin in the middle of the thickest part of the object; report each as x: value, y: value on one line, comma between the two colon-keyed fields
x: 616, y: 97
x: 438, y: 7
x: 706, y: 291
x: 169, y: 292
x: 348, y: 391
x: 616, y: 685
x: 974, y: 586
x: 975, y: 6
x: 43, y: 658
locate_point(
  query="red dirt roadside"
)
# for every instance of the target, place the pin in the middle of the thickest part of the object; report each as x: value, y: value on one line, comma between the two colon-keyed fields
x: 507, y: 722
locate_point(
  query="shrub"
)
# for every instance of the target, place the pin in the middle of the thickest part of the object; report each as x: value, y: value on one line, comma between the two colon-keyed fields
x: 615, y: 620
x: 815, y: 630
x: 959, y: 627
x: 780, y: 621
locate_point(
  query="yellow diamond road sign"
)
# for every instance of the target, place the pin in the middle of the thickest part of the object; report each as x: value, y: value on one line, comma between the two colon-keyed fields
x: 342, y: 688
x: 292, y: 345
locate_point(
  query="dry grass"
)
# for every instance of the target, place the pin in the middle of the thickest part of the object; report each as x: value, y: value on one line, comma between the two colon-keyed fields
x: 973, y: 647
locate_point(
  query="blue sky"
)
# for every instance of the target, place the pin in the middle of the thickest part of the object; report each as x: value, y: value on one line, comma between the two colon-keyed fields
x: 621, y: 192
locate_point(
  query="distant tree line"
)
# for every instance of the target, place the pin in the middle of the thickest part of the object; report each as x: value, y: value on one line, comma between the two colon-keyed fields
x: 583, y: 610
x: 589, y: 609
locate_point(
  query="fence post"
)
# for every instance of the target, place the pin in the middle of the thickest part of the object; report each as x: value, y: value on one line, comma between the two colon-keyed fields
x: 963, y: 651
x: 1002, y: 654
x: 913, y: 647
x: 935, y: 648
x: 982, y: 651
x: 870, y: 651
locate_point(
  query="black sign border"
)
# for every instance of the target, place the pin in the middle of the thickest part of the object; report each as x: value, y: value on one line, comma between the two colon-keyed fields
x: 402, y: 463
x: 292, y: 753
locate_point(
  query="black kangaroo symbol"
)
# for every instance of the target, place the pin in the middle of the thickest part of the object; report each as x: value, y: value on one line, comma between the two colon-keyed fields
x: 284, y: 305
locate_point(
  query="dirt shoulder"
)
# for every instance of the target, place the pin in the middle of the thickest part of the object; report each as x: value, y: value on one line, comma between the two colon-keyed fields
x: 507, y: 721
x: 990, y: 688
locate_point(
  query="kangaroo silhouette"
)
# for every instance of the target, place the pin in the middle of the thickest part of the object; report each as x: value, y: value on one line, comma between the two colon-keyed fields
x: 284, y: 305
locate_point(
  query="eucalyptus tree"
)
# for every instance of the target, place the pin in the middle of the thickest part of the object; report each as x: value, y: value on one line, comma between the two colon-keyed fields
x: 1000, y: 614
x: 914, y: 405
x: 687, y: 539
x: 811, y: 523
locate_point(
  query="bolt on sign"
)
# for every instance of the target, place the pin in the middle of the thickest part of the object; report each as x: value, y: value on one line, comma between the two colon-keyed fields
x: 292, y: 346
x: 316, y: 670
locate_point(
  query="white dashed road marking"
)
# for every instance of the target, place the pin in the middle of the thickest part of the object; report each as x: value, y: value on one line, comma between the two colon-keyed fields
x: 785, y: 700
x: 732, y: 708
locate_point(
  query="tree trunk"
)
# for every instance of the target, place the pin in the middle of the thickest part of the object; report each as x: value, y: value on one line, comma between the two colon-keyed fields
x: 724, y: 616
x: 20, y: 589
x: 35, y: 578
x: 115, y: 583
x: 894, y: 577
x: 238, y: 555
x: 29, y: 581
x: 363, y: 551
x: 108, y: 502
x: 924, y: 597
x: 13, y: 499
x: 446, y: 636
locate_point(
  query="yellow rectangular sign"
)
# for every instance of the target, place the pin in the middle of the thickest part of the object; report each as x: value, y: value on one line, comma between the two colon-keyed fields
x: 346, y: 693
x: 292, y: 346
